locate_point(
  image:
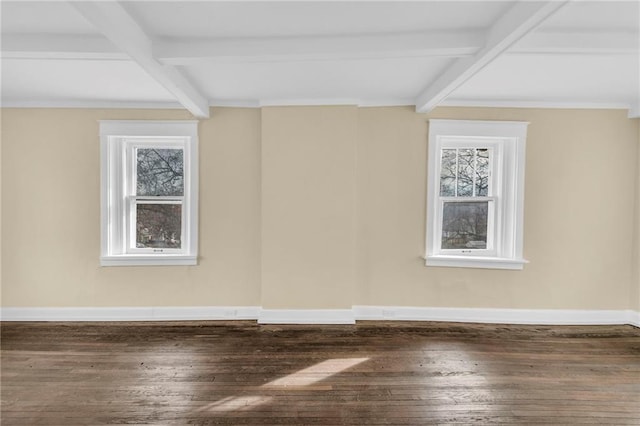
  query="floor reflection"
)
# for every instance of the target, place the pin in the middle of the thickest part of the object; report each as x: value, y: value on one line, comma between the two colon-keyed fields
x: 305, y: 377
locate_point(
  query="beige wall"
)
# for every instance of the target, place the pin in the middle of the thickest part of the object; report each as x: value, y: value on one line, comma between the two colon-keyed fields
x: 51, y: 214
x: 308, y: 207
x: 635, y: 289
x: 1, y: 237
x: 323, y: 207
x: 578, y: 213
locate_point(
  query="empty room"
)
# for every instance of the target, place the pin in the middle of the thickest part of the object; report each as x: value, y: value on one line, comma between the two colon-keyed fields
x: 320, y: 212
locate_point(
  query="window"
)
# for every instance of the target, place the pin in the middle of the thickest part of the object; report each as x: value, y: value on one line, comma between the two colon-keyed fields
x: 149, y: 192
x: 475, y: 194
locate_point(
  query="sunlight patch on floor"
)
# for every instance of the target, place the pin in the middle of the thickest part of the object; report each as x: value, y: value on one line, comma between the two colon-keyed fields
x: 236, y: 403
x: 302, y: 378
x: 316, y: 373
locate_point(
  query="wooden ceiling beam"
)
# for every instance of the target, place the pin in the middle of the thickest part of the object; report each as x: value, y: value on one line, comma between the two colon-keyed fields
x: 521, y: 19
x: 187, y: 52
x: 115, y: 23
x: 283, y: 49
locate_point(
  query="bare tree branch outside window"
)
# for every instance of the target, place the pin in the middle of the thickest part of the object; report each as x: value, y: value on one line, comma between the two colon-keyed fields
x: 160, y: 172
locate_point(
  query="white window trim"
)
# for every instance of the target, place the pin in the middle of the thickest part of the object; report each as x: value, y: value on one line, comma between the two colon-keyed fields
x: 116, y: 137
x: 509, y: 137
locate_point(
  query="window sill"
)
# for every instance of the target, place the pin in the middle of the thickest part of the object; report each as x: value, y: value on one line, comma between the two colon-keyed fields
x: 155, y: 260
x: 476, y: 262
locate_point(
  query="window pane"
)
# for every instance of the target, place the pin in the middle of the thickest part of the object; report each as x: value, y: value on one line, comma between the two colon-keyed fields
x: 158, y: 225
x: 465, y: 172
x: 464, y: 225
x: 448, y: 173
x: 482, y: 172
x: 159, y: 172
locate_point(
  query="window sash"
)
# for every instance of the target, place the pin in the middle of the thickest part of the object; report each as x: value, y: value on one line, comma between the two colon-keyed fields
x: 131, y: 223
x: 131, y: 146
x: 466, y: 145
x: 492, y: 220
x: 493, y: 198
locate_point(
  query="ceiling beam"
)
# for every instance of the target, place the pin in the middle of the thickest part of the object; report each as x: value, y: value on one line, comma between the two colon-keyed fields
x: 283, y: 49
x: 579, y: 43
x: 113, y: 21
x: 59, y: 46
x: 522, y: 18
x: 275, y: 49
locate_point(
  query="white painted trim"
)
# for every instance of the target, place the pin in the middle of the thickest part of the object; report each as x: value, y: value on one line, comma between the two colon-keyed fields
x: 476, y: 262
x: 309, y: 102
x: 59, y: 46
x: 366, y: 103
x: 187, y: 51
x: 115, y: 137
x: 306, y: 316
x: 113, y: 21
x: 609, y: 42
x: 487, y: 103
x: 498, y: 316
x: 160, y: 128
x: 17, y: 103
x: 134, y: 313
x: 161, y: 260
x: 230, y: 103
x: 633, y: 318
x: 518, y: 21
x: 325, y: 316
x: 335, y: 101
x: 507, y: 140
x: 363, y: 103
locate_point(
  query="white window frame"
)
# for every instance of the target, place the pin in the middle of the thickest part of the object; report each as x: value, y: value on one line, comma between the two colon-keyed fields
x: 506, y: 141
x: 119, y: 140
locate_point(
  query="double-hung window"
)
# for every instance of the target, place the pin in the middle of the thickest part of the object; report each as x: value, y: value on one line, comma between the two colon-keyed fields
x: 475, y: 194
x: 149, y: 192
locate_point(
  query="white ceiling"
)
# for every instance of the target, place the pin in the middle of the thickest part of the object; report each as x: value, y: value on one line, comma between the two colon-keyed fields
x: 582, y: 54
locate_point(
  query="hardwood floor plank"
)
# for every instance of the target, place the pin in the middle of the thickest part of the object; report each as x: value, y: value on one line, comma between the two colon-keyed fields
x: 241, y: 373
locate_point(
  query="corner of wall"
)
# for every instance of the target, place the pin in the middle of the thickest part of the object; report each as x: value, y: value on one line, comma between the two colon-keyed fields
x: 1, y: 168
x: 635, y: 285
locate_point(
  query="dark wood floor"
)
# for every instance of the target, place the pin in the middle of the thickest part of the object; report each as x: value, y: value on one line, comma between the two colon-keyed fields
x: 241, y: 373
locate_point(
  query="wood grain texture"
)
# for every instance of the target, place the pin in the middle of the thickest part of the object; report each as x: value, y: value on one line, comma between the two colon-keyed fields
x: 373, y: 373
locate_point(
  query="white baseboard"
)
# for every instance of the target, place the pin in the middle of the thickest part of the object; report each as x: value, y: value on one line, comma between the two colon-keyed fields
x: 137, y: 313
x: 306, y: 316
x: 326, y: 316
x: 497, y: 316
